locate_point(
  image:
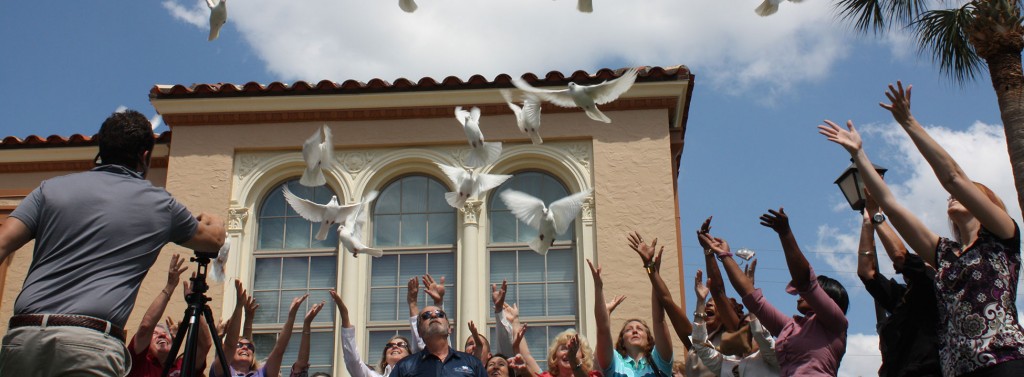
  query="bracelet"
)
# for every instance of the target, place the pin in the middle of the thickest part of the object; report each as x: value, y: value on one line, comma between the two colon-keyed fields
x: 650, y: 270
x: 578, y: 366
x: 866, y: 252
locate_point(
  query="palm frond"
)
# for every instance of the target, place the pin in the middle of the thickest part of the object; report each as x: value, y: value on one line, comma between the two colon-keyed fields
x: 943, y: 32
x: 879, y: 15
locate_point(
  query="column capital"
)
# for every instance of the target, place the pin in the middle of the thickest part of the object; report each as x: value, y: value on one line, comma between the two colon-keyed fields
x: 236, y: 219
x: 471, y: 211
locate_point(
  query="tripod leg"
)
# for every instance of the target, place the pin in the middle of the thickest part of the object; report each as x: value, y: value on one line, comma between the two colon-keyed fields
x: 183, y: 328
x: 191, y: 347
x: 208, y: 314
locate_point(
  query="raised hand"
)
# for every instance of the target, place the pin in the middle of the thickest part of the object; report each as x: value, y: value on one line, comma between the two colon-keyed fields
x: 777, y: 220
x: 240, y: 294
x: 518, y: 339
x: 511, y: 313
x: 900, y: 106
x: 313, y: 311
x: 434, y: 289
x: 518, y: 363
x: 705, y: 228
x: 749, y: 270
x: 715, y: 245
x: 172, y: 326
x: 573, y: 346
x: 596, y: 272
x: 296, y: 303
x: 848, y: 138
x: 646, y: 252
x: 498, y: 296
x: 250, y: 307
x: 412, y: 294
x: 473, y: 330
x: 614, y: 303
x: 175, y: 270
x: 699, y: 287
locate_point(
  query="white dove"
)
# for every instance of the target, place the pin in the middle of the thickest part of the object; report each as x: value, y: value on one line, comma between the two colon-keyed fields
x: 408, y: 6
x: 469, y: 183
x: 350, y: 231
x: 218, y: 268
x: 585, y: 6
x: 325, y: 214
x: 585, y: 97
x: 769, y: 7
x: 218, y: 16
x: 318, y: 153
x: 528, y: 116
x: 483, y: 152
x: 547, y: 220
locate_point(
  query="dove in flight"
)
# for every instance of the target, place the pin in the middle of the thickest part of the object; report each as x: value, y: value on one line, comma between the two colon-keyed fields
x: 584, y: 96
x: 547, y: 220
x: 352, y: 229
x: 585, y: 6
x: 468, y: 183
x: 483, y: 152
x: 408, y: 6
x: 218, y: 16
x: 318, y: 153
x: 528, y: 116
x: 769, y: 7
x: 325, y: 214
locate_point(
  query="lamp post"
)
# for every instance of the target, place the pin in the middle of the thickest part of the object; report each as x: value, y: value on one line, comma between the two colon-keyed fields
x: 852, y: 186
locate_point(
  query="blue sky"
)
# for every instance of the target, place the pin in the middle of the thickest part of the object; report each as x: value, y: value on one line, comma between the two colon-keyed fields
x: 762, y: 86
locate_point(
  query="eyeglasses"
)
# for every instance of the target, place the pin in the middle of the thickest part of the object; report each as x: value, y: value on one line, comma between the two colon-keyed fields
x: 432, y: 314
x: 395, y: 345
x: 250, y: 346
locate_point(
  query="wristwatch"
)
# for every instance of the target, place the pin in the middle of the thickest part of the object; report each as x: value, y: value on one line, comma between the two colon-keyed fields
x: 878, y: 218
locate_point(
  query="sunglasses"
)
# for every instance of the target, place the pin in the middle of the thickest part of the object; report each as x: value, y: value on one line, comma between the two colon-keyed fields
x: 395, y: 345
x: 250, y: 346
x: 431, y: 315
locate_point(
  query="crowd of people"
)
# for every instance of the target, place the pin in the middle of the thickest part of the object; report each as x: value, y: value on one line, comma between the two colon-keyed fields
x: 954, y: 314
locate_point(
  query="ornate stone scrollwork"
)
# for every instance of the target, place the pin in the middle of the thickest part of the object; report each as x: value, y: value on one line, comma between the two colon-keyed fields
x: 246, y: 164
x: 471, y: 211
x: 355, y: 162
x: 236, y: 218
x: 588, y: 209
x: 581, y: 153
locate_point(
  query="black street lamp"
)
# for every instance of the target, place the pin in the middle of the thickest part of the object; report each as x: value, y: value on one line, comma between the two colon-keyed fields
x: 852, y: 185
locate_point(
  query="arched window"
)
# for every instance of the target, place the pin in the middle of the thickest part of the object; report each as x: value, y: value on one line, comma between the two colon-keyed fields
x: 544, y: 286
x: 416, y: 228
x: 290, y: 262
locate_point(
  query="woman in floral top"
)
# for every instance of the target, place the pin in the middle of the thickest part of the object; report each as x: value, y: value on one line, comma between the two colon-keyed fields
x: 977, y: 270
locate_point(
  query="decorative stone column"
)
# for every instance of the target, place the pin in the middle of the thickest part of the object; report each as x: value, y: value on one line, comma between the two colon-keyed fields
x: 470, y: 276
x: 586, y: 249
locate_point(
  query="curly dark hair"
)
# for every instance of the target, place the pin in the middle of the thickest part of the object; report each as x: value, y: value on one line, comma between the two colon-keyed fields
x: 123, y: 137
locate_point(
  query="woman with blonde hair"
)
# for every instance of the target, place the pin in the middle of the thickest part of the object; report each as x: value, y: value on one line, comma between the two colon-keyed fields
x: 976, y: 271
x: 568, y: 356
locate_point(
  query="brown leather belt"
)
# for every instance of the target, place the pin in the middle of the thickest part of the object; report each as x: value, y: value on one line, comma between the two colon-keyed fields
x: 91, y: 323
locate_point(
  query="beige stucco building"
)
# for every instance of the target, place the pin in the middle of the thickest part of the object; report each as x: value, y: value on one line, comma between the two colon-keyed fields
x: 234, y: 146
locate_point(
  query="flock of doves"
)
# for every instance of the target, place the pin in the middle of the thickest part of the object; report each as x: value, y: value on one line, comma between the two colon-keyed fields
x: 318, y: 154
x: 219, y: 11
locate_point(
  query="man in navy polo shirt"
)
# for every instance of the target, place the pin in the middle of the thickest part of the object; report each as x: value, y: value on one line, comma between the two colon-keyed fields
x: 438, y: 358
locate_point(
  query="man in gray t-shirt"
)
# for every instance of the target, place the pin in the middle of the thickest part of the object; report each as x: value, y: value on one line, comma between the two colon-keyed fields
x: 97, y: 234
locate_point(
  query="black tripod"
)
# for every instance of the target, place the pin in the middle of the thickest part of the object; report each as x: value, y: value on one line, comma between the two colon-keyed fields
x: 196, y: 304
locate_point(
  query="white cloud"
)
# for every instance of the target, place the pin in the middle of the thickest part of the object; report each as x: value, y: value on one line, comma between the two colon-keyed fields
x: 862, y: 356
x: 198, y: 14
x: 723, y: 41
x: 156, y: 120
x: 120, y: 109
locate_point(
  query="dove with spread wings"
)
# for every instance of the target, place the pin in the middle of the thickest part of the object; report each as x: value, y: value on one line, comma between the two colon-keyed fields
x: 548, y: 221
x: 586, y: 97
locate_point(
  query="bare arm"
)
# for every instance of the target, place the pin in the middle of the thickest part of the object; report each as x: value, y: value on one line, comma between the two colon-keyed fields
x: 949, y: 173
x: 799, y: 268
x: 728, y: 318
x: 210, y: 234
x: 662, y: 339
x: 13, y: 235
x: 917, y: 235
x: 233, y: 327
x: 603, y: 349
x: 302, y: 362
x: 740, y: 281
x: 867, y: 262
x: 482, y: 349
x: 676, y: 314
x: 250, y: 315
x: 520, y: 346
x: 273, y: 364
x: 156, y: 309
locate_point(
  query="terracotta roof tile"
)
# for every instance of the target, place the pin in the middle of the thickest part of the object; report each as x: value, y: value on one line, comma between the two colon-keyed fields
x: 377, y: 85
x: 56, y: 141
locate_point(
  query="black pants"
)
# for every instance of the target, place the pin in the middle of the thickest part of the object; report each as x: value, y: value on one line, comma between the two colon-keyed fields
x: 1013, y: 368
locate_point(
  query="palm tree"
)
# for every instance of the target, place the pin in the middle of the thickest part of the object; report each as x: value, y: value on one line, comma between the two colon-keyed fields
x: 959, y: 40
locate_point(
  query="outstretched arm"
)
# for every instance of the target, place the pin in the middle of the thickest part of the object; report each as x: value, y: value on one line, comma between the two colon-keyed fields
x: 676, y: 314
x: 233, y: 327
x: 728, y: 318
x: 917, y: 235
x: 273, y: 364
x: 520, y: 346
x: 156, y: 309
x: 867, y: 260
x: 250, y: 315
x: 949, y: 173
x: 302, y: 362
x: 603, y: 349
x: 799, y: 268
